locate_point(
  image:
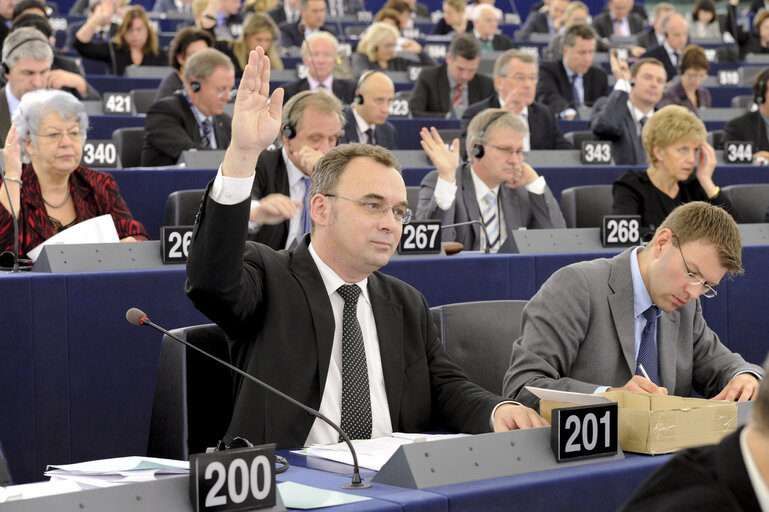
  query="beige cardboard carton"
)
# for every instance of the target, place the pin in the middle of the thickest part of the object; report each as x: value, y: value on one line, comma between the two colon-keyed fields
x: 655, y: 424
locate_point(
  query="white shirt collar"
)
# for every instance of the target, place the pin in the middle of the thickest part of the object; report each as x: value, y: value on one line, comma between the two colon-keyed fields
x: 327, y: 83
x: 360, y: 122
x: 13, y: 102
x: 480, y: 187
x: 294, y: 173
x: 331, y: 280
x: 756, y: 480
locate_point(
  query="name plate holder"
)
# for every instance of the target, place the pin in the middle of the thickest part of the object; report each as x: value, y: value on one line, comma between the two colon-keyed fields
x: 471, y: 458
x: 56, y: 258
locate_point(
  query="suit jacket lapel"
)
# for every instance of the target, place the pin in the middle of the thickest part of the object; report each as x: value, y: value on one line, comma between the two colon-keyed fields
x: 511, y: 208
x: 307, y: 274
x: 621, y: 306
x: 469, y: 199
x: 193, y: 129
x: 388, y: 317
x: 667, y: 348
x: 565, y: 83
x: 444, y: 85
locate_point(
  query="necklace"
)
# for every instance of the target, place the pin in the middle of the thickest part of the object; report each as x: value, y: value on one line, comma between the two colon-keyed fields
x: 58, y: 205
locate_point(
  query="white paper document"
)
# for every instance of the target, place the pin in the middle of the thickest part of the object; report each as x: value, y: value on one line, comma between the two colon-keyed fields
x: 571, y: 397
x: 92, y: 231
x: 372, y: 453
x: 306, y: 497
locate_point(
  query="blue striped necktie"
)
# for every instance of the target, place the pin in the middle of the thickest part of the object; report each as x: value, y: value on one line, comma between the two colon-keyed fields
x: 491, y: 221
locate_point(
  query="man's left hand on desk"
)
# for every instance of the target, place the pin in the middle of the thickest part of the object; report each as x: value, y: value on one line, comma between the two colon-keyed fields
x: 514, y: 417
x: 741, y: 388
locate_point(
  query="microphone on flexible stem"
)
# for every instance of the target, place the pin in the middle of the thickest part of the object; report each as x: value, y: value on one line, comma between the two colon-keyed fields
x: 137, y: 317
x: 467, y: 223
x: 15, y: 219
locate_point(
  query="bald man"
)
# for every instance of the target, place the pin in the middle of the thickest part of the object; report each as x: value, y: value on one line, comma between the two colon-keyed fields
x: 675, y: 28
x: 367, y: 115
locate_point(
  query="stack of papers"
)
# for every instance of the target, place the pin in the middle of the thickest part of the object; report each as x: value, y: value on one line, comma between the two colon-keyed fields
x: 122, y: 470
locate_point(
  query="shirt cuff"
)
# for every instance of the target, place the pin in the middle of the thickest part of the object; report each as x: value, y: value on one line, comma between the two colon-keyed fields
x: 252, y: 226
x: 601, y: 389
x: 229, y: 191
x: 569, y: 112
x: 622, y: 85
x: 444, y: 194
x: 494, y: 411
x: 537, y: 186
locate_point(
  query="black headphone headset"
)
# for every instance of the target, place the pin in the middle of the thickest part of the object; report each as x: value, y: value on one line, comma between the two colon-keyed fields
x: 6, y: 69
x: 759, y: 87
x: 478, y: 150
x: 358, y: 98
x: 195, y: 86
x: 289, y: 130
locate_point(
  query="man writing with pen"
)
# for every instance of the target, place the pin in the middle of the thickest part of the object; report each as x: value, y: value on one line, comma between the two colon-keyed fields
x: 602, y: 324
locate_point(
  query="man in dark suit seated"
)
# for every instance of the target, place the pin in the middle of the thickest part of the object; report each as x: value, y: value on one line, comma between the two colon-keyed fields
x: 751, y: 126
x: 312, y: 124
x: 486, y: 28
x: 731, y: 475
x: 446, y: 90
x: 287, y: 11
x: 654, y: 35
x: 496, y: 187
x: 374, y: 365
x: 575, y: 74
x: 194, y: 119
x: 312, y: 18
x: 515, y: 81
x: 104, y: 33
x: 319, y: 55
x: 619, y: 20
x: 547, y: 22
x: 594, y: 324
x: 620, y: 116
x: 675, y: 29
x: 367, y: 116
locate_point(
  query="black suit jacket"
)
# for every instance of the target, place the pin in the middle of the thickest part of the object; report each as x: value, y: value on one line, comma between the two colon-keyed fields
x: 554, y: 88
x: 292, y: 34
x: 384, y: 134
x: 431, y: 96
x: 658, y: 52
x: 611, y: 120
x: 544, y: 131
x: 536, y: 22
x: 648, y: 38
x: 274, y: 307
x: 501, y: 43
x: 604, y: 25
x: 342, y: 89
x: 171, y: 127
x: 706, y: 478
x: 750, y: 127
x: 271, y: 177
x: 5, y: 114
x: 72, y: 29
x: 278, y: 14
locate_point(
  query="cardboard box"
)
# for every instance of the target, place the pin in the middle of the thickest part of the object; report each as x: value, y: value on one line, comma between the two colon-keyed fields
x: 654, y: 424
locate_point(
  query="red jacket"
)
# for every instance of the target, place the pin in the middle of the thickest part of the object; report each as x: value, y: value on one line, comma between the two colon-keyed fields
x: 94, y: 193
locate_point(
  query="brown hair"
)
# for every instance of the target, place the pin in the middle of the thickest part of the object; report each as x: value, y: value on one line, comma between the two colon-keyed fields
x: 693, y: 57
x: 183, y: 39
x: 699, y: 220
x: 137, y: 11
x: 331, y: 166
x: 388, y: 14
x: 257, y: 22
x: 636, y: 67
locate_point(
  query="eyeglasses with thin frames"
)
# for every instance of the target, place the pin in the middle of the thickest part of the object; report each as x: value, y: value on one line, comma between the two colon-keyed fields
x: 380, y: 208
x: 507, y: 150
x: 709, y: 292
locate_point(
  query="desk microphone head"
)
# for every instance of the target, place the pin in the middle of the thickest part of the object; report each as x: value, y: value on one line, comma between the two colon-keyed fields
x: 135, y: 316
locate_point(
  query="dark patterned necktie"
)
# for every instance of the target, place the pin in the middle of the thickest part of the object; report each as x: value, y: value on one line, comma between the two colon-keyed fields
x: 356, y: 400
x: 306, y: 225
x: 206, y: 133
x: 647, y: 350
x: 370, y: 136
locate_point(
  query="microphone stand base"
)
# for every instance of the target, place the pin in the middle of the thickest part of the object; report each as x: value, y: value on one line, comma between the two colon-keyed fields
x: 357, y: 486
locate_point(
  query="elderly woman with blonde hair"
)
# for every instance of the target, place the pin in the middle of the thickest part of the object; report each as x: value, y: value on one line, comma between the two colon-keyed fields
x: 377, y: 50
x: 681, y: 167
x: 258, y: 30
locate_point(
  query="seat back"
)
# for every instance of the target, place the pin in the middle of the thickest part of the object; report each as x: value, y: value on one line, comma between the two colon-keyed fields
x: 142, y: 100
x: 412, y: 196
x: 750, y: 201
x: 578, y: 136
x: 585, y: 206
x: 134, y: 71
x: 5, y: 473
x: 182, y: 207
x: 193, y: 395
x: 479, y: 337
x: 128, y: 143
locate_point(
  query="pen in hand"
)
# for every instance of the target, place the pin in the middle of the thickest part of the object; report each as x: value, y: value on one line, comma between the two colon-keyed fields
x: 643, y: 371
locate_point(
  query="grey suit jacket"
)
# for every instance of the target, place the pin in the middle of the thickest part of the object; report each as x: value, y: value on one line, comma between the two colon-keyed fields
x: 5, y: 114
x: 578, y: 333
x: 520, y: 208
x: 611, y: 120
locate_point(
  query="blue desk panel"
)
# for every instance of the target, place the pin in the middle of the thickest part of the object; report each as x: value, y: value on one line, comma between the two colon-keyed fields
x: 77, y: 380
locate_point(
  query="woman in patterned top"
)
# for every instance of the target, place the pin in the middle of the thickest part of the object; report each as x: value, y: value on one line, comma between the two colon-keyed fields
x: 51, y: 192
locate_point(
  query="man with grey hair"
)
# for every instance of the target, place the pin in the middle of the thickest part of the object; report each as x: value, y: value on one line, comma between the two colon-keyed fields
x: 486, y: 29
x: 319, y: 57
x: 496, y: 187
x: 312, y: 19
x: 515, y: 82
x: 676, y: 30
x: 618, y: 20
x: 27, y: 57
x: 312, y: 124
x: 732, y: 475
x: 655, y: 36
x: 194, y: 118
x: 446, y: 90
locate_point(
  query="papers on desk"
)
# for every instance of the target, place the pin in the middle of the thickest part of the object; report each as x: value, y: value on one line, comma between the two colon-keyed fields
x: 569, y: 397
x: 305, y: 497
x: 372, y: 453
x: 92, y: 231
x: 121, y: 470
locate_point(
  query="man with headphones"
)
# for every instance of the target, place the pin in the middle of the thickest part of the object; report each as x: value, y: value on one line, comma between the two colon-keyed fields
x: 495, y: 188
x: 320, y: 57
x: 312, y: 124
x: 312, y: 19
x: 620, y: 117
x: 194, y: 118
x: 669, y: 52
x: 751, y: 126
x: 367, y: 116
